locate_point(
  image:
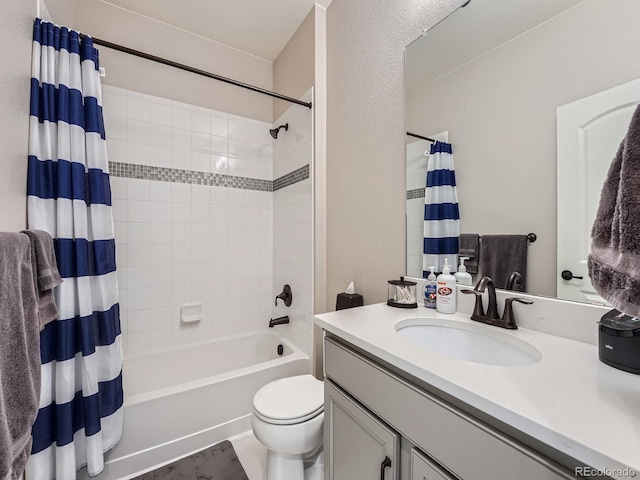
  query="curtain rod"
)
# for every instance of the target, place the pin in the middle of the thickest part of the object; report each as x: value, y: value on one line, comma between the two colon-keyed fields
x: 171, y: 63
x: 421, y: 137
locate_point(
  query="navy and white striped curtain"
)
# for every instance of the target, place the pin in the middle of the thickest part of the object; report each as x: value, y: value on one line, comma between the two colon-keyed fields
x: 69, y: 196
x: 441, y: 214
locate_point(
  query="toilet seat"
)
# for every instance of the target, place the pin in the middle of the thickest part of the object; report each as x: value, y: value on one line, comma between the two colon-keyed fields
x: 290, y: 400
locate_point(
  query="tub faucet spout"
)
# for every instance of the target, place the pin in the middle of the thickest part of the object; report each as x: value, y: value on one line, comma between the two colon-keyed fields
x: 278, y: 321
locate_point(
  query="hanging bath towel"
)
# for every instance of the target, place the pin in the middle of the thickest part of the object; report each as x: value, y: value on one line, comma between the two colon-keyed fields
x: 69, y: 196
x: 441, y: 214
x: 614, y: 261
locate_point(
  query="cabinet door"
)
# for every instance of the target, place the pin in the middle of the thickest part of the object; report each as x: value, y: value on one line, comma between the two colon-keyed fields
x: 423, y: 468
x: 357, y: 445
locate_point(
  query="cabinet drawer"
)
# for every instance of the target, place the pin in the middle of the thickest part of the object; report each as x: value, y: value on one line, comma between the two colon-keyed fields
x: 424, y: 469
x: 463, y: 445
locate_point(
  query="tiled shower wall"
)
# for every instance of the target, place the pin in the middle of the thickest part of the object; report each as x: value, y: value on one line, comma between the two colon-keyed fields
x: 193, y: 212
x: 293, y: 223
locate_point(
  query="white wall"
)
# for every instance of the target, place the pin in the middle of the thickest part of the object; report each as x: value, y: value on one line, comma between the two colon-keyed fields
x: 179, y: 243
x: 293, y: 225
x: 15, y: 58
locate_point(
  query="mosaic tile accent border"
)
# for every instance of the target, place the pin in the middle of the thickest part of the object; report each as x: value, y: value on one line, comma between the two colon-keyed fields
x: 174, y: 175
x: 298, y: 175
x: 415, y: 193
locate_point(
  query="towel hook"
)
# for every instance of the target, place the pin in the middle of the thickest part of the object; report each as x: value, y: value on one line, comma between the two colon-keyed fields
x: 532, y: 237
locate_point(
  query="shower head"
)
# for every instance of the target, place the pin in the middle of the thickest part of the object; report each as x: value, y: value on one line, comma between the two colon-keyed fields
x: 274, y: 131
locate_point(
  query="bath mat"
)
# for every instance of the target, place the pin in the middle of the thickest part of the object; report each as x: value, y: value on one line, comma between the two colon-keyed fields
x: 218, y: 462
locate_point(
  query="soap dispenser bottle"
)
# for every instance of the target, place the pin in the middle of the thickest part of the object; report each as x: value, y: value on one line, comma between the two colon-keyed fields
x: 446, y: 293
x: 430, y: 290
x: 462, y: 276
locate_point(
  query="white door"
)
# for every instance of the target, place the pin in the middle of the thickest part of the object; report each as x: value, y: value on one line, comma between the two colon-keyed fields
x: 589, y: 133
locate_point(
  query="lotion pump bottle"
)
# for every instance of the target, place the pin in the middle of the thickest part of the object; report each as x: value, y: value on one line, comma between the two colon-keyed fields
x: 447, y: 290
x: 430, y: 290
x: 462, y: 276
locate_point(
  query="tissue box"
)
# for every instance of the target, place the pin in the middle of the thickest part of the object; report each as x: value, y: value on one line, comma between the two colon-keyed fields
x: 348, y: 300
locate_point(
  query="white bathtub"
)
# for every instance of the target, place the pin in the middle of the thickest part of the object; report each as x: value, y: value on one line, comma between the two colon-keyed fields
x: 179, y: 401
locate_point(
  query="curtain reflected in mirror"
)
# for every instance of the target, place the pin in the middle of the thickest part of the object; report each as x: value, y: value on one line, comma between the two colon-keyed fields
x: 495, y: 78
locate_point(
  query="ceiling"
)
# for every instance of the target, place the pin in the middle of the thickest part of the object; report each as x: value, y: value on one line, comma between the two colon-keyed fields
x: 260, y: 27
x: 470, y: 32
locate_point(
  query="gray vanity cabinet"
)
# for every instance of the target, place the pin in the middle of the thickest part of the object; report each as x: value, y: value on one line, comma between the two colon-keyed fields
x: 369, y: 410
x: 358, y: 446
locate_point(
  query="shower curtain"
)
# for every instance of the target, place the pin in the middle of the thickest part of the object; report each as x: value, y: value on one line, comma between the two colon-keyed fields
x: 69, y: 196
x: 441, y: 214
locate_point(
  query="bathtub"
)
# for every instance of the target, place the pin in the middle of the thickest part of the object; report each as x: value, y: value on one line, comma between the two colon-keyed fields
x: 179, y: 401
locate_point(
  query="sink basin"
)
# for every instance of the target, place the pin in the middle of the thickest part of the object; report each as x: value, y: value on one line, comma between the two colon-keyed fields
x: 472, y: 343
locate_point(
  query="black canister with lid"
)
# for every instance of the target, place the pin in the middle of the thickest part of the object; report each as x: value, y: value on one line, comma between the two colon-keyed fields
x: 619, y: 341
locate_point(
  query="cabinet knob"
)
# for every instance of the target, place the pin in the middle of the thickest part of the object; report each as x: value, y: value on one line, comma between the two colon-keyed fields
x: 386, y: 463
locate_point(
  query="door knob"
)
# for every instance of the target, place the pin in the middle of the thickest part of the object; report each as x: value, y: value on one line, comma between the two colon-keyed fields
x: 568, y: 275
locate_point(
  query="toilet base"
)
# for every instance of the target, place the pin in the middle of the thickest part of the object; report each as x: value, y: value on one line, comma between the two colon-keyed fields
x: 282, y: 466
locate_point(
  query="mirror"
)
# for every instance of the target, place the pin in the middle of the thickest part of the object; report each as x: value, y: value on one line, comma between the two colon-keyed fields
x: 490, y: 79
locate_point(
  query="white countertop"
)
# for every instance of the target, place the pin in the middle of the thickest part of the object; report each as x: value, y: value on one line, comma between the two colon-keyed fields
x: 568, y: 400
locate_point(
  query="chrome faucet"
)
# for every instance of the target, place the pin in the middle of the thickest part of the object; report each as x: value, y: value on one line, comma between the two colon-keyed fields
x: 492, y: 317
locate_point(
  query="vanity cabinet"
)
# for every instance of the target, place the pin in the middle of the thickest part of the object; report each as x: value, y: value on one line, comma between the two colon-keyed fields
x: 362, y: 447
x: 368, y: 407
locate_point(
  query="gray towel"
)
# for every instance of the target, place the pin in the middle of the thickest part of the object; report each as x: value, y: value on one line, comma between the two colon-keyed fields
x: 19, y: 353
x: 500, y: 255
x: 43, y: 257
x: 614, y: 261
x: 470, y: 247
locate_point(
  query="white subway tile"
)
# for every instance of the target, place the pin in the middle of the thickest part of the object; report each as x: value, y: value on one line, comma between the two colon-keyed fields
x: 118, y: 188
x: 160, y: 317
x: 181, y: 233
x: 180, y: 214
x: 160, y: 191
x: 200, y: 213
x: 201, y: 142
x: 200, y: 122
x: 114, y: 104
x: 235, y: 197
x: 180, y: 294
x: 236, y: 130
x: 219, y: 126
x: 180, y: 254
x: 115, y: 128
x: 181, y: 158
x: 252, y: 151
x: 219, y: 215
x: 218, y: 164
x: 138, y: 342
x: 181, y: 138
x: 137, y: 189
x: 160, y: 254
x: 219, y: 253
x: 201, y: 233
x: 137, y: 211
x: 236, y: 148
x: 181, y: 274
x: 159, y: 276
x: 252, y: 168
x: 138, y: 153
x: 219, y: 145
x: 235, y: 166
x: 200, y: 253
x: 218, y: 195
x: 219, y: 234
x: 159, y: 212
x: 117, y: 150
x: 255, y: 133
x: 138, y: 109
x: 137, y: 255
x: 138, y: 321
x: 160, y: 338
x: 138, y: 95
x: 138, y: 299
x: 181, y: 118
x: 200, y: 272
x: 160, y: 135
x: 200, y: 194
x: 160, y: 296
x: 181, y: 193
x: 137, y: 232
x: 160, y: 114
x: 200, y: 162
x: 236, y: 216
x: 160, y: 157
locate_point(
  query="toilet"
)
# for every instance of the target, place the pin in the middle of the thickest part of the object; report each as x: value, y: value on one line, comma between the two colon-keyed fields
x: 287, y: 419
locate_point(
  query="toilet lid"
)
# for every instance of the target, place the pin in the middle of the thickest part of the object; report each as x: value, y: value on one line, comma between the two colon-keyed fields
x: 290, y: 400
